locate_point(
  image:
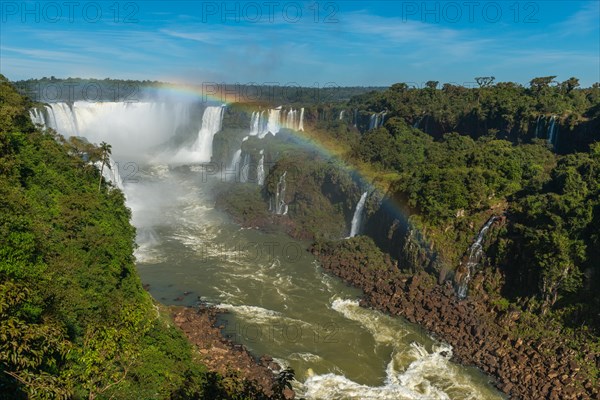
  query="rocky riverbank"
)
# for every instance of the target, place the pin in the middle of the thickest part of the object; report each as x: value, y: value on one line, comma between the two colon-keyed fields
x: 220, y: 355
x: 480, y: 332
x: 529, y: 356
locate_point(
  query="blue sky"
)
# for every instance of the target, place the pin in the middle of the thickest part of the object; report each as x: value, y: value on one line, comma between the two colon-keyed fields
x: 309, y: 43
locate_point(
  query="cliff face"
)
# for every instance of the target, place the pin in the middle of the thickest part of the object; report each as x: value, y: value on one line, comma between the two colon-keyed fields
x: 395, y: 234
x: 481, y: 330
x: 319, y: 196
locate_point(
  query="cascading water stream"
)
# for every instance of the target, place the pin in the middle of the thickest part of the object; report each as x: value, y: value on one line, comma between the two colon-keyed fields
x: 537, y: 125
x: 552, y: 131
x: 260, y: 169
x: 301, y: 123
x: 110, y: 173
x: 201, y: 150
x: 260, y: 127
x: 254, y: 123
x: 235, y: 164
x: 280, y: 208
x: 357, y: 217
x: 274, y: 121
x: 245, y: 168
x: 475, y: 254
x: 373, y: 121
x: 376, y: 120
x: 37, y: 117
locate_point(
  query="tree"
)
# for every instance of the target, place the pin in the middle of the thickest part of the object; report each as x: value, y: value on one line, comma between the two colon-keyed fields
x: 432, y: 84
x: 484, y: 81
x: 540, y: 83
x: 558, y: 263
x: 106, y: 150
x: 399, y: 87
x: 570, y: 84
x: 282, y: 382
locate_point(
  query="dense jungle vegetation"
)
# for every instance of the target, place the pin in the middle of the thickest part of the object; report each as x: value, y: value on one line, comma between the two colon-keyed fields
x: 75, y: 321
x: 453, y: 156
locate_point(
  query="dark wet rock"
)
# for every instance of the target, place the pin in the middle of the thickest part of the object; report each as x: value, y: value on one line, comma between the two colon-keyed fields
x: 478, y: 333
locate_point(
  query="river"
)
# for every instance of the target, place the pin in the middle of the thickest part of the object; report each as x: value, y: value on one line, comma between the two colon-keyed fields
x: 280, y: 301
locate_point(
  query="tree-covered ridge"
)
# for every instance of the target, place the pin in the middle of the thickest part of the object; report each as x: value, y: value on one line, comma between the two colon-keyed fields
x: 549, y: 249
x: 553, y: 244
x: 74, y: 319
x: 504, y: 110
x: 52, y: 89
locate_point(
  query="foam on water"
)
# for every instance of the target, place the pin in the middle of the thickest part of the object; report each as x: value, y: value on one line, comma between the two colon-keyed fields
x: 259, y: 315
x: 415, y: 382
x: 333, y: 386
x: 382, y: 331
x: 308, y: 357
x: 147, y: 251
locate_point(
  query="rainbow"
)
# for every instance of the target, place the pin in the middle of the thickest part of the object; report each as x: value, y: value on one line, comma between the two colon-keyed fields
x: 317, y: 141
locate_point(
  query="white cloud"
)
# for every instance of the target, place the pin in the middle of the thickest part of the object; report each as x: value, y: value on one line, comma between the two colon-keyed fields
x: 586, y: 20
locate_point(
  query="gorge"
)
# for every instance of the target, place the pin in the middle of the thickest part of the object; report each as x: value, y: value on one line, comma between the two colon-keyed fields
x: 280, y: 301
x: 427, y: 227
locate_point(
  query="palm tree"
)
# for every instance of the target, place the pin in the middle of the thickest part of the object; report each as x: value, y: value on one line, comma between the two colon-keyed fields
x: 105, y: 151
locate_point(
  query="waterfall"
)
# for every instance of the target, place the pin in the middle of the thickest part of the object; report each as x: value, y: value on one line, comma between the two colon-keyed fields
x: 341, y: 115
x: 294, y: 121
x: 475, y: 254
x: 260, y: 169
x: 537, y: 126
x: 134, y: 130
x: 280, y: 208
x: 263, y: 125
x: 274, y: 121
x: 382, y: 119
x: 63, y: 119
x: 291, y: 120
x: 373, y: 121
x: 376, y: 120
x: 212, y: 119
x: 254, y: 123
x: 355, y: 117
x: 357, y: 217
x: 110, y: 173
x: 235, y: 163
x: 37, y: 117
x: 552, y: 131
x: 245, y: 168
x: 259, y: 125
